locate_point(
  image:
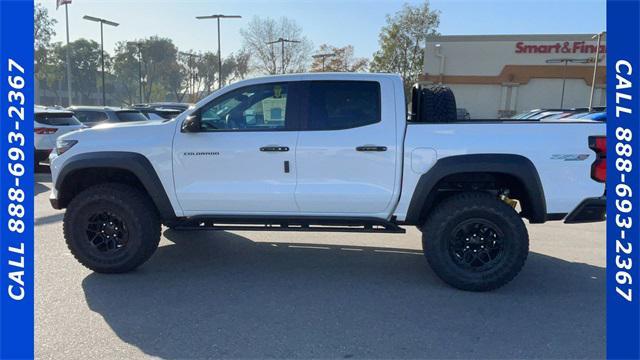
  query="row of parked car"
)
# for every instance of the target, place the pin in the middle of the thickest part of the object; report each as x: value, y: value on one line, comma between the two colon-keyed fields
x: 573, y: 114
x: 52, y: 122
x: 595, y: 114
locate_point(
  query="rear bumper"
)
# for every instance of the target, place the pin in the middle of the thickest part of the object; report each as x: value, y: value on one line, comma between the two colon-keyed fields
x: 589, y: 210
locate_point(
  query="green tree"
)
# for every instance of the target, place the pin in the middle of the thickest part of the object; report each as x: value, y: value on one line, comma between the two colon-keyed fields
x: 53, y: 72
x: 86, y: 67
x: 202, y: 74
x: 201, y: 71
x: 170, y: 74
x: 126, y: 72
x: 162, y: 77
x: 343, y: 60
x: 241, y: 61
x: 160, y: 64
x: 402, y: 41
x: 43, y: 31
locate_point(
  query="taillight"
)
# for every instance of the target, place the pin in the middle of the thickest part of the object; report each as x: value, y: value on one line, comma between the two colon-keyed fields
x: 599, y: 167
x: 45, y: 131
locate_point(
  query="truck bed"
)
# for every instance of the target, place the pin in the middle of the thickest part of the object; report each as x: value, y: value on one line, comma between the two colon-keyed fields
x: 559, y: 150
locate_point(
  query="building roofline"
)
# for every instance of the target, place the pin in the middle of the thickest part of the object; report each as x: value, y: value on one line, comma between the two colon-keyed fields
x: 512, y: 37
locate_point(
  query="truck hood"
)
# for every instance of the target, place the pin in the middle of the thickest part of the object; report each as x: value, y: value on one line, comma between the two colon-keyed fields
x: 128, y: 124
x: 122, y: 135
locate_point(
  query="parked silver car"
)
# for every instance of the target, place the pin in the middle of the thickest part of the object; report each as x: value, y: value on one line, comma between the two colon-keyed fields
x: 95, y: 115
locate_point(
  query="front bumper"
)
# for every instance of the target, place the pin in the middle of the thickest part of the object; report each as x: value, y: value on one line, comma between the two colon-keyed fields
x: 54, y: 203
x: 589, y: 210
x: 53, y: 199
x: 42, y: 155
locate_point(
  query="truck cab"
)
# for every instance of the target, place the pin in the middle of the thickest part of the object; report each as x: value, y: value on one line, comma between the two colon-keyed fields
x: 304, y: 148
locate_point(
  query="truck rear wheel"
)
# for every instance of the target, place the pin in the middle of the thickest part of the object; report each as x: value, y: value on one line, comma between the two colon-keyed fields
x: 111, y: 228
x: 475, y: 242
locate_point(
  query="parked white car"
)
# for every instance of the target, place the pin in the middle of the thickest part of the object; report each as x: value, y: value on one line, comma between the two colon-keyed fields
x: 48, y: 124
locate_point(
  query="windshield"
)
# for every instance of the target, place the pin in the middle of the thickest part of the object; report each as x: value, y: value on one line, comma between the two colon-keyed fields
x: 154, y: 116
x: 167, y: 114
x: 127, y: 116
x: 57, y: 119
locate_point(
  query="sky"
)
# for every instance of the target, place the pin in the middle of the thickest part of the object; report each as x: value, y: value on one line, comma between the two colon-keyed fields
x: 336, y: 22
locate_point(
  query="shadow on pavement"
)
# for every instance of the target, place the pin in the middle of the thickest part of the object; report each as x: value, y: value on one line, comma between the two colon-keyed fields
x: 217, y: 294
x: 39, y: 188
x: 50, y: 219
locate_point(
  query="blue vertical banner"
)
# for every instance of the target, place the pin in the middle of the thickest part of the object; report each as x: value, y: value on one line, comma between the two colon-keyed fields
x: 623, y: 179
x: 16, y: 179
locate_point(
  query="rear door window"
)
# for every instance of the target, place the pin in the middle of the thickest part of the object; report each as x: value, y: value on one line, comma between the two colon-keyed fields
x: 127, y: 116
x: 57, y: 119
x: 91, y: 116
x: 336, y: 105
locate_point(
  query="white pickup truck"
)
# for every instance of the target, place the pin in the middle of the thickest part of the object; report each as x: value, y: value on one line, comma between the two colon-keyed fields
x: 330, y: 152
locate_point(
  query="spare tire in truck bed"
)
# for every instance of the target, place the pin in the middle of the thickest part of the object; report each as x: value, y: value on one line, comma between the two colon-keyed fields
x: 433, y: 104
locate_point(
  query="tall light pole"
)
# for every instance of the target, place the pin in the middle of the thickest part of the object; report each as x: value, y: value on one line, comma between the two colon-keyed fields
x: 102, y: 22
x: 139, y: 46
x: 595, y: 68
x: 66, y: 13
x: 218, y: 17
x: 282, y: 41
x: 323, y: 57
x: 565, y: 61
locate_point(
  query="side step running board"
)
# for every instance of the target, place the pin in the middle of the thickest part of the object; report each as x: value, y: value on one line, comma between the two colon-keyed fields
x: 364, y: 225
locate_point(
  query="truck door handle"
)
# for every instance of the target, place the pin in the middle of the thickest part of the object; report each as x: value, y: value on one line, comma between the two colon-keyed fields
x: 274, y: 148
x: 371, y: 148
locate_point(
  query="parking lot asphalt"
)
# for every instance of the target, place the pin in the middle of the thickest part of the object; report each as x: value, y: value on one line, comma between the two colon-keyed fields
x: 315, y: 295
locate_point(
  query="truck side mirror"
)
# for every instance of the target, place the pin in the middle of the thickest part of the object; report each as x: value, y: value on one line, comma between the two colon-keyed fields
x: 191, y: 124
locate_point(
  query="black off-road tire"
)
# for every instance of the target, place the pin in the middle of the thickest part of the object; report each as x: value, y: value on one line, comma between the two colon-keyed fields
x: 442, y: 248
x: 436, y: 104
x: 125, y: 205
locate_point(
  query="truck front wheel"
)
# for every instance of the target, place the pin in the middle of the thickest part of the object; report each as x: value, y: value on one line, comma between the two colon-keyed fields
x: 475, y: 242
x: 111, y: 228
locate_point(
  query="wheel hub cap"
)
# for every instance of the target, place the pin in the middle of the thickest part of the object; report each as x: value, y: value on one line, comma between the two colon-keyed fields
x: 106, y: 232
x: 476, y: 244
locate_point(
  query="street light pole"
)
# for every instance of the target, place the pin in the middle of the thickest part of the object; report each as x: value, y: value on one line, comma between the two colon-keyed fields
x: 219, y: 58
x: 102, y: 22
x: 104, y: 97
x: 595, y: 69
x: 218, y: 17
x: 282, y: 41
x: 564, y: 82
x: 323, y: 57
x: 69, y: 94
x: 140, y: 70
x: 565, y: 61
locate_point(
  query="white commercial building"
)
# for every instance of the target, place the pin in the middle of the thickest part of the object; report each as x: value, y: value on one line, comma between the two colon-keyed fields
x: 501, y: 75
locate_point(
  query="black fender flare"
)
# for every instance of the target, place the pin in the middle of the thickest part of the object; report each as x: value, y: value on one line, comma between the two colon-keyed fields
x: 517, y: 166
x: 135, y: 163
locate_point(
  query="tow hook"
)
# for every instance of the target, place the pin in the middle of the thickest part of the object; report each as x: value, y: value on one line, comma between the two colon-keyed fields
x: 507, y: 200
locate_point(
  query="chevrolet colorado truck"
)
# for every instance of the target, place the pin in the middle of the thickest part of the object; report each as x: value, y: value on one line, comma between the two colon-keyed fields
x: 330, y: 152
